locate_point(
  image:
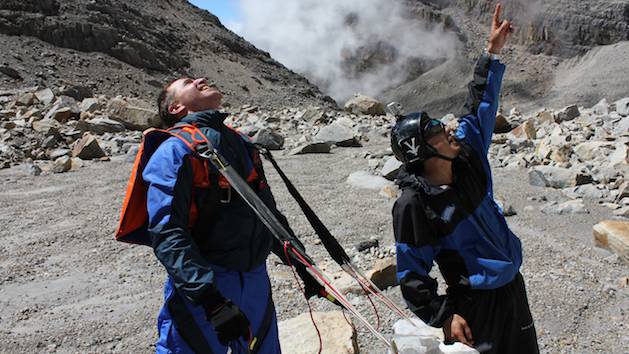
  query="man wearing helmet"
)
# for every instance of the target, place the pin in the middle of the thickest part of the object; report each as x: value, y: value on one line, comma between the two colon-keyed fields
x: 446, y: 214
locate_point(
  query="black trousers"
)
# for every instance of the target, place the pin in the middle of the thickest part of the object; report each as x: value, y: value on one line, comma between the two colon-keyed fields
x: 500, y: 319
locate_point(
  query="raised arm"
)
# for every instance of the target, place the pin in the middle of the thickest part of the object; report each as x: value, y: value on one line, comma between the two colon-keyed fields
x: 484, y: 89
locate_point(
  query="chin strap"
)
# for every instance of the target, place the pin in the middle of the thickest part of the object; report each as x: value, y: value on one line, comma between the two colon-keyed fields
x: 432, y: 152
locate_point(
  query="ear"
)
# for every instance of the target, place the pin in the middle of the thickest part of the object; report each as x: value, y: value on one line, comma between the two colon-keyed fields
x: 177, y: 109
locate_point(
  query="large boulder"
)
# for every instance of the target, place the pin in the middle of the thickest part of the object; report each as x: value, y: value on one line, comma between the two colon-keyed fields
x: 299, y: 336
x: 567, y: 114
x: 88, y: 148
x: 133, y: 116
x: 614, y: 236
x: 338, y: 134
x: 361, y: 104
x: 557, y: 177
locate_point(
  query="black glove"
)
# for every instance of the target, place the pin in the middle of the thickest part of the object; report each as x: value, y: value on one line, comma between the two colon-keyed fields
x: 312, y: 287
x: 228, y: 321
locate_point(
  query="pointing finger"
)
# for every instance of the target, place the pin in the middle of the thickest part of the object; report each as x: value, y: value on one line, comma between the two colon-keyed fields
x: 496, y: 21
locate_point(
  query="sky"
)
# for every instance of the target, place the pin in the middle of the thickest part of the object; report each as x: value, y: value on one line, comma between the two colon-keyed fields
x: 228, y: 11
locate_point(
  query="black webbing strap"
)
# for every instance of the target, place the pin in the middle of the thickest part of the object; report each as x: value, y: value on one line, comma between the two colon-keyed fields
x: 187, y: 327
x: 267, y: 321
x: 333, y: 247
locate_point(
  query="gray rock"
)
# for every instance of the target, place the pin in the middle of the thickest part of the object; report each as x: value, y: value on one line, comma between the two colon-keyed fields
x: 601, y: 108
x: 367, y: 244
x: 62, y: 164
x: 90, y: 105
x: 61, y: 115
x: 338, y: 134
x: 47, y: 126
x: 131, y: 154
x: 567, y: 114
x: 622, y: 212
x: 102, y: 125
x: 569, y: 207
x: 77, y: 92
x: 590, y: 150
x: 391, y: 168
x: 45, y: 96
x: 363, y: 179
x: 361, y: 104
x: 49, y: 142
x: 10, y: 72
x: 88, y: 148
x: 556, y: 177
x: 312, y: 148
x: 269, y: 139
x: 620, y: 155
x: 26, y: 99
x: 622, y: 107
x: 57, y: 153
x: 33, y: 169
x: 590, y: 191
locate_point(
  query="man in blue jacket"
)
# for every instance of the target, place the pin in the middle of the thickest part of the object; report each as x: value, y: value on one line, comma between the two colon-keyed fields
x: 217, y: 294
x: 447, y: 214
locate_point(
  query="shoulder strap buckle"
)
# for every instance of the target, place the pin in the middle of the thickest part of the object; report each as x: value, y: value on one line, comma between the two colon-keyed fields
x: 227, y: 197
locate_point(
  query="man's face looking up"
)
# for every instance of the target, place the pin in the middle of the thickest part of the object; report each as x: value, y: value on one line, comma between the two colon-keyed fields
x: 193, y: 96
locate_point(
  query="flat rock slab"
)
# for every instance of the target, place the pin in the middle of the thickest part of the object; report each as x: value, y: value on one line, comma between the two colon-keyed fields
x: 298, y: 335
x: 364, y: 179
x: 614, y: 236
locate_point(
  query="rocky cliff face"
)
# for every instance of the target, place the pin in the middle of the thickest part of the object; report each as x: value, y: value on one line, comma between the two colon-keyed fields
x: 130, y: 47
x: 549, y: 34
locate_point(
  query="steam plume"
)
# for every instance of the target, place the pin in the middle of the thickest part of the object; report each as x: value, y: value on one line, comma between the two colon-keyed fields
x: 345, y: 46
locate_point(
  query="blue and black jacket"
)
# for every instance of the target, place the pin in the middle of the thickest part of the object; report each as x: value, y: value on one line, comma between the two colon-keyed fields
x: 231, y: 236
x: 460, y: 226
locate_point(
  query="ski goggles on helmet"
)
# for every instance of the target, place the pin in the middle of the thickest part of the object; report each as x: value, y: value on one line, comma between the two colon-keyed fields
x: 433, y: 128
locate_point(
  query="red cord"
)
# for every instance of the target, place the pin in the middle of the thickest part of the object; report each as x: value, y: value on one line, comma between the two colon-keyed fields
x: 303, y: 292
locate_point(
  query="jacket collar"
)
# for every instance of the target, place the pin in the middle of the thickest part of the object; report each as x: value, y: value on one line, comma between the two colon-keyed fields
x: 210, y: 118
x: 409, y: 179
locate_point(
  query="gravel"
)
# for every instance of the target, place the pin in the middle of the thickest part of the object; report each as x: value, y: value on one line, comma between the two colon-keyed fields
x: 66, y: 286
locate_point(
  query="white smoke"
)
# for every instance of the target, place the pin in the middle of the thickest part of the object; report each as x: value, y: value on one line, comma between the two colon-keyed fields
x: 312, y: 37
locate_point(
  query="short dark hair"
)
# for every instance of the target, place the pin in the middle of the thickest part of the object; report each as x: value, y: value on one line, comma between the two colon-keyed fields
x: 164, y: 100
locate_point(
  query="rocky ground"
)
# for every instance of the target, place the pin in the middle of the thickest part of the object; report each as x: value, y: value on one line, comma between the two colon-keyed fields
x: 66, y: 286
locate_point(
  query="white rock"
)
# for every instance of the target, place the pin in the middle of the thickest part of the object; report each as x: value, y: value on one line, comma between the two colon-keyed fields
x: 622, y: 107
x: 601, y: 108
x: 361, y: 104
x: 363, y: 179
x: 569, y: 207
x: 391, y: 168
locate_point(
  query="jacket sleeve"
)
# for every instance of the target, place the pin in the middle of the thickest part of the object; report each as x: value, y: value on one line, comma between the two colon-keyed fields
x: 169, y: 177
x: 484, y: 95
x: 414, y: 262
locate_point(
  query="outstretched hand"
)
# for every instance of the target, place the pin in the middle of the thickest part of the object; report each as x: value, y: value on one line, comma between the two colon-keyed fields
x: 500, y: 32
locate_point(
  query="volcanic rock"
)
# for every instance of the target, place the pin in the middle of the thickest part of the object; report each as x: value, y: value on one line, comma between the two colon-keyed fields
x: 298, y: 335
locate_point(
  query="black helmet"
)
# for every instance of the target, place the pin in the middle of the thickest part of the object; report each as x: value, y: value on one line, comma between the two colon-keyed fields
x: 407, y: 140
